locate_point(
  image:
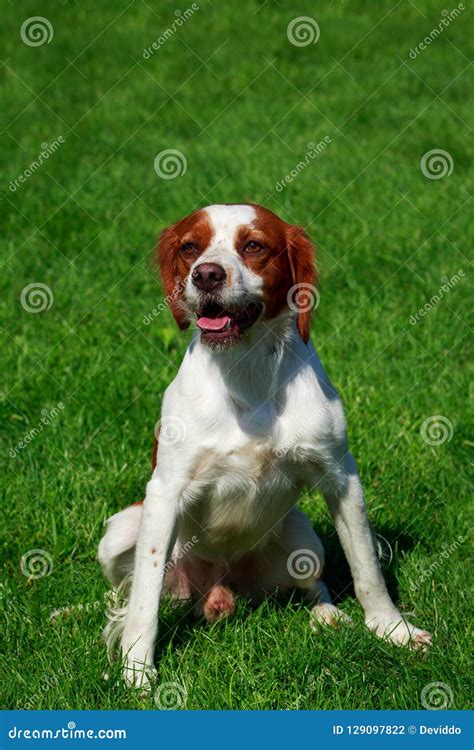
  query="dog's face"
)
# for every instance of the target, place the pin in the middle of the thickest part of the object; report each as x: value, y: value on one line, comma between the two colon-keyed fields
x: 229, y: 266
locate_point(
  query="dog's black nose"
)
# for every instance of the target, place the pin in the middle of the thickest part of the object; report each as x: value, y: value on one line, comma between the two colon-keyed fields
x: 208, y: 276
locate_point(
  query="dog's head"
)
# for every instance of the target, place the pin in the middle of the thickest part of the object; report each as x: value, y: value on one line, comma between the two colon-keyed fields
x: 229, y: 266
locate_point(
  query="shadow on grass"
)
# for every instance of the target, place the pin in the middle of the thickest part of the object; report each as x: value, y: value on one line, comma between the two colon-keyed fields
x: 393, y: 542
x: 179, y: 623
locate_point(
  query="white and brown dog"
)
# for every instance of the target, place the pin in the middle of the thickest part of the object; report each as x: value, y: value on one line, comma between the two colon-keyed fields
x: 250, y: 419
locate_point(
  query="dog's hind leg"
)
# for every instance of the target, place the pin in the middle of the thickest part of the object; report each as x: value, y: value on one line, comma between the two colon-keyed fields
x: 117, y: 557
x: 294, y: 559
x: 117, y: 546
x: 305, y: 563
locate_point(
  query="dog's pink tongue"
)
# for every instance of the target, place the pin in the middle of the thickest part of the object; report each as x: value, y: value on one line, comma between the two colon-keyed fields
x: 213, y: 324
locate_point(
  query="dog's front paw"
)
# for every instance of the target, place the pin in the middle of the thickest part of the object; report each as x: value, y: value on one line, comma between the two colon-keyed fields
x: 138, y: 671
x: 138, y: 674
x: 401, y: 632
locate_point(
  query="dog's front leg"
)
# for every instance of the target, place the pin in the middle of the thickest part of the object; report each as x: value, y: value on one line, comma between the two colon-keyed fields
x: 346, y: 503
x: 156, y: 538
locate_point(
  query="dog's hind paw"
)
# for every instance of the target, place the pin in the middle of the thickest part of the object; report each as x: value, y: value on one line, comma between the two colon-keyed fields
x: 327, y: 614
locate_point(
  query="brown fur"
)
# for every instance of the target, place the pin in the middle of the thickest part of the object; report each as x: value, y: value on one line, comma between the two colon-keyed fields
x: 174, y: 265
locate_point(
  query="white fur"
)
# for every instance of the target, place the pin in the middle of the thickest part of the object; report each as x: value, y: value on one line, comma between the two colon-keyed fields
x: 242, y: 282
x: 262, y: 420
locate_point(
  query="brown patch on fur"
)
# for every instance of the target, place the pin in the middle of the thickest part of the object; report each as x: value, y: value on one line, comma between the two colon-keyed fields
x: 301, y: 257
x: 286, y: 260
x: 174, y: 265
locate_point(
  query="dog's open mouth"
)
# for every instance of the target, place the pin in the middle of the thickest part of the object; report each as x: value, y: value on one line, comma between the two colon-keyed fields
x: 221, y: 325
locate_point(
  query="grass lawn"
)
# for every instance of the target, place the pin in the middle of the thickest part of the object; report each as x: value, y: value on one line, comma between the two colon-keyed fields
x: 83, y: 379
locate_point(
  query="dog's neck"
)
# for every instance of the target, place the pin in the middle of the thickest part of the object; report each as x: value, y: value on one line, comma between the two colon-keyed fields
x: 254, y: 370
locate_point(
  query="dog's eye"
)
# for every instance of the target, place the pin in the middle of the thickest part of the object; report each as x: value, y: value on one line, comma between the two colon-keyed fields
x: 253, y: 247
x: 189, y: 248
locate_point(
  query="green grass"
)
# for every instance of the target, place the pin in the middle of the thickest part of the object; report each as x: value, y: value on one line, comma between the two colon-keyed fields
x: 85, y: 224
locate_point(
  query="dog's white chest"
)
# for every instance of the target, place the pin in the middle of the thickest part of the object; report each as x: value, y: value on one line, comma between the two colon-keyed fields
x: 236, y: 494
x: 246, y: 456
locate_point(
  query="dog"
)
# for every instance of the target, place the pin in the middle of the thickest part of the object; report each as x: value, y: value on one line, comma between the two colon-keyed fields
x: 249, y: 421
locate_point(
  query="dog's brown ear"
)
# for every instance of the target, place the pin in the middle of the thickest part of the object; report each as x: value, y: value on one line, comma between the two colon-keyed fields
x: 304, y: 296
x: 173, y: 283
